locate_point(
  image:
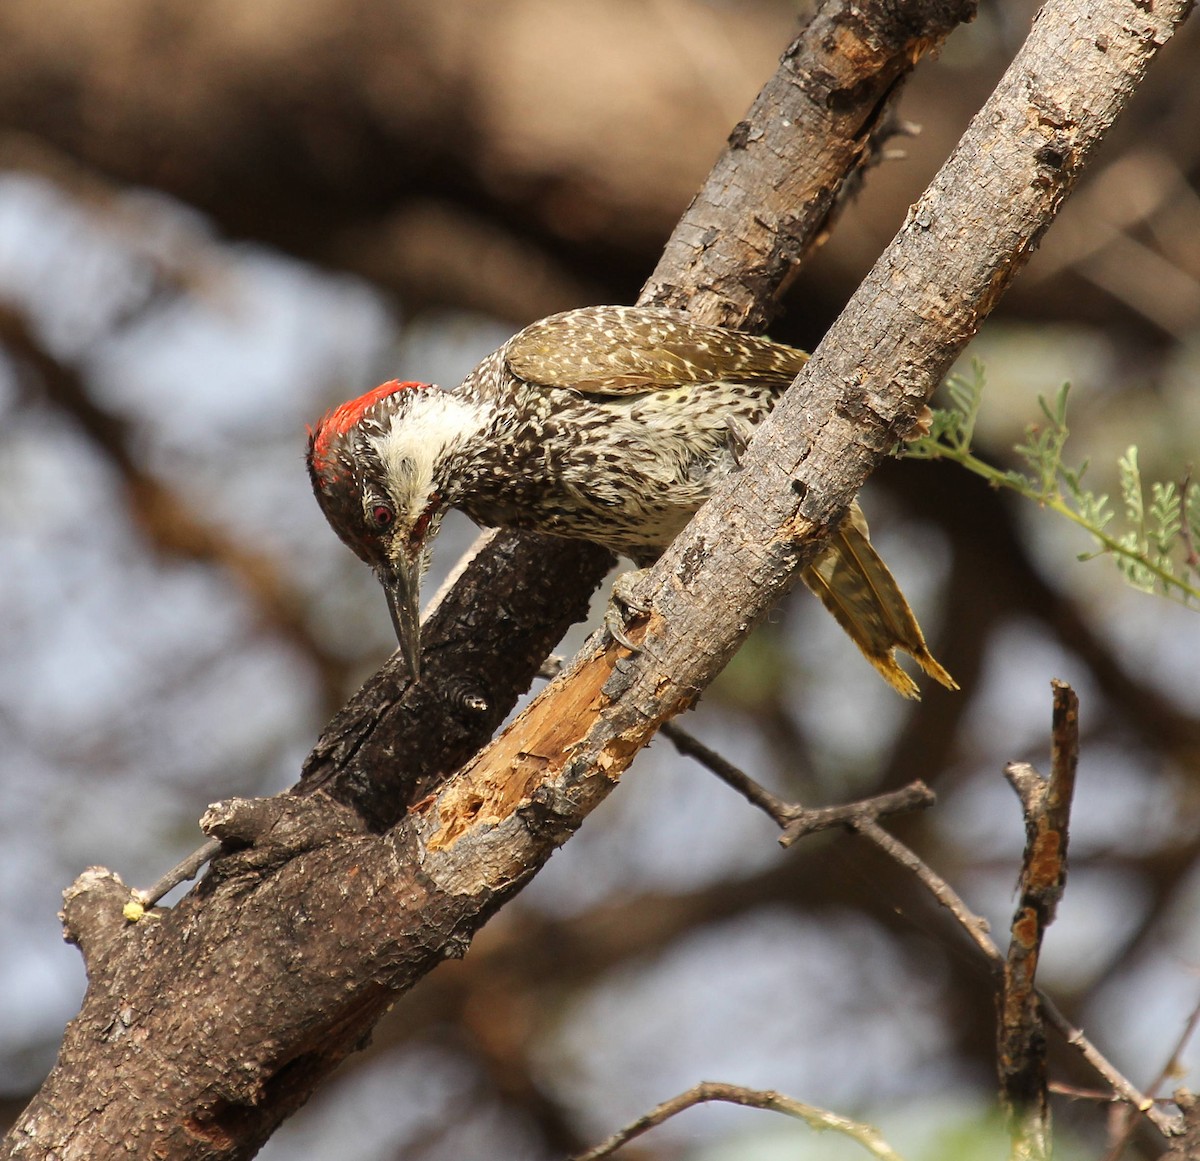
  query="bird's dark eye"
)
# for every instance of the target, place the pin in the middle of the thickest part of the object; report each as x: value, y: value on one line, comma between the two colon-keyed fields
x: 383, y: 516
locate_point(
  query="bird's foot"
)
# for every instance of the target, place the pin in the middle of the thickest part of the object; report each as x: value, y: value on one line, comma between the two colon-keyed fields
x: 624, y: 604
x: 737, y: 437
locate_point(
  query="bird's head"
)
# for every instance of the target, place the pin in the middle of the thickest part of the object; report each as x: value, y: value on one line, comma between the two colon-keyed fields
x: 377, y: 465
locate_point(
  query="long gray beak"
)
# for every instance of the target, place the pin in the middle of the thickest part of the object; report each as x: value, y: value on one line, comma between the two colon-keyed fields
x: 402, y: 584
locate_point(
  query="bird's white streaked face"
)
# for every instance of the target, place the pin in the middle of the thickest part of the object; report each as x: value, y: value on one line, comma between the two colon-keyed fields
x: 374, y: 466
x: 425, y: 427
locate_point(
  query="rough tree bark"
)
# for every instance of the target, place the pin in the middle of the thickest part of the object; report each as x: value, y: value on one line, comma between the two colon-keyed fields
x: 204, y: 1026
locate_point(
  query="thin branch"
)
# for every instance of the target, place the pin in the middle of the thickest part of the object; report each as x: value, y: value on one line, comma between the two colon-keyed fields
x: 1126, y: 1090
x: 752, y: 791
x: 974, y: 925
x: 816, y: 1118
x: 182, y: 872
x: 861, y: 817
x: 1126, y: 1123
x: 854, y: 815
x: 796, y: 820
x: 977, y: 928
x: 1096, y: 1095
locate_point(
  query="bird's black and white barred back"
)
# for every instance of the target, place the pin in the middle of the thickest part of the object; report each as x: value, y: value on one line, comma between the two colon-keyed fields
x: 610, y: 424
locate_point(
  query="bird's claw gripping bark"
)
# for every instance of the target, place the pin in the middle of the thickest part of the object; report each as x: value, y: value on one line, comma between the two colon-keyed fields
x: 623, y: 604
x: 738, y: 438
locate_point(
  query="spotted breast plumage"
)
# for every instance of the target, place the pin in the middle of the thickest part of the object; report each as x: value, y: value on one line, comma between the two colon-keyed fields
x: 610, y: 424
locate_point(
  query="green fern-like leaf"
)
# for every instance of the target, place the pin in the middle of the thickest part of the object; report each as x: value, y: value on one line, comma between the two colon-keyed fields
x: 1154, y: 551
x: 1130, y: 478
x: 1095, y: 509
x: 1165, y: 520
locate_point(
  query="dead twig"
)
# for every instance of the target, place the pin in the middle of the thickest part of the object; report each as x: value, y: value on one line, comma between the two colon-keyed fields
x: 816, y: 1118
x: 977, y: 928
x: 182, y: 872
x: 974, y: 925
x: 752, y: 791
x: 795, y: 820
x: 861, y: 817
x: 1021, y: 1034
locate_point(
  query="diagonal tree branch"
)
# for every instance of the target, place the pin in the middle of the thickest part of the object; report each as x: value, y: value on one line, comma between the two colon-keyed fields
x: 863, y: 388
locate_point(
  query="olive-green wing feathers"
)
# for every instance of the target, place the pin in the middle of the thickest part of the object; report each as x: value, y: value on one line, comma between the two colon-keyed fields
x: 624, y: 350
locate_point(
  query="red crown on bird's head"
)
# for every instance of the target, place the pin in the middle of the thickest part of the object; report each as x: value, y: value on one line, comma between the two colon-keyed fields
x: 335, y: 423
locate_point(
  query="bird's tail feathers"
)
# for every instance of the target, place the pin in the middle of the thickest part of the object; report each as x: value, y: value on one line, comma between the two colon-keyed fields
x: 859, y: 590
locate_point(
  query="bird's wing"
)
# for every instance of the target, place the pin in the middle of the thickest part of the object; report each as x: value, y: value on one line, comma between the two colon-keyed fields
x: 624, y: 350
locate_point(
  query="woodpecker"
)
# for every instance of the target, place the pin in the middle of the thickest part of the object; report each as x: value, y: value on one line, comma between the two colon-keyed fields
x: 611, y: 424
